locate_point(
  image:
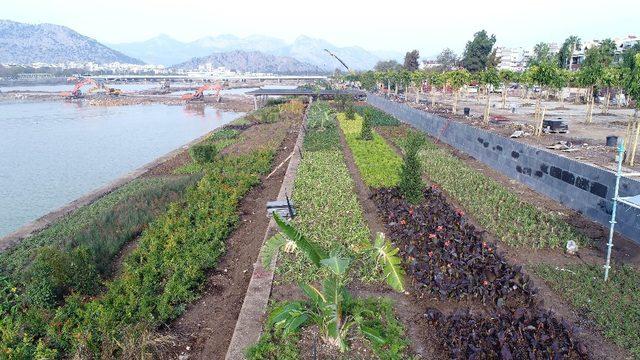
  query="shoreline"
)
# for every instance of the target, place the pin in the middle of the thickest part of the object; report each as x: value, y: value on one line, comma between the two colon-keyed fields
x: 33, y: 227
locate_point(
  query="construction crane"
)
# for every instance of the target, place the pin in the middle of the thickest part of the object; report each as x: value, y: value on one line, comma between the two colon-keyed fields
x: 199, y: 94
x: 106, y: 89
x: 76, y: 93
x: 337, y: 58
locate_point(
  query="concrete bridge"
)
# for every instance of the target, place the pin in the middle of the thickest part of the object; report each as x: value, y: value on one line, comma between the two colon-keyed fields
x: 207, y: 78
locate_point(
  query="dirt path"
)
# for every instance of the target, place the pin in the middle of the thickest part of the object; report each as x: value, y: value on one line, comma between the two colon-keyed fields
x: 204, y: 331
x: 599, y: 347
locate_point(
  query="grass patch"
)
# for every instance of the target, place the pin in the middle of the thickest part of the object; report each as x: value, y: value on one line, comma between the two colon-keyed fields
x: 379, y: 165
x: 495, y: 207
x: 614, y: 306
x: 329, y: 213
x: 219, y: 140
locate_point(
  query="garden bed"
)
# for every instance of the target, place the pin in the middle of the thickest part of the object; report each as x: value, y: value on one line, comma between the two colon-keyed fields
x: 158, y: 279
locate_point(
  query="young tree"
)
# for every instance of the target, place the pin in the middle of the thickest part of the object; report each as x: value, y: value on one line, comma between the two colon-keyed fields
x: 457, y: 79
x: 611, y: 79
x: 506, y: 78
x: 477, y: 51
x: 411, y: 184
x: 418, y: 78
x: 436, y: 80
x: 488, y: 79
x: 411, y: 60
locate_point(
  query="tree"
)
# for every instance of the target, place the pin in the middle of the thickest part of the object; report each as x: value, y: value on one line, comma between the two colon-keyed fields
x: 506, y: 78
x: 488, y: 78
x: 597, y: 59
x: 411, y: 60
x: 611, y: 79
x: 541, y: 53
x: 629, y: 56
x: 569, y: 47
x: 387, y: 65
x: 418, y: 78
x: 477, y: 51
x: 457, y: 79
x: 447, y: 59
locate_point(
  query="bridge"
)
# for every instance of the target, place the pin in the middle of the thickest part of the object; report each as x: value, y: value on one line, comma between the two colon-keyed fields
x: 207, y: 78
x: 261, y: 95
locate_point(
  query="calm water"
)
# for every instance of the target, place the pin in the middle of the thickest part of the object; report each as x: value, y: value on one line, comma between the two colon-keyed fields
x: 68, y: 87
x: 54, y: 152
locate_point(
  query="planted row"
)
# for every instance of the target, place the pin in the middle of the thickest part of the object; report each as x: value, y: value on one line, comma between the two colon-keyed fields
x: 495, y: 207
x: 378, y: 164
x: 446, y: 256
x: 328, y: 210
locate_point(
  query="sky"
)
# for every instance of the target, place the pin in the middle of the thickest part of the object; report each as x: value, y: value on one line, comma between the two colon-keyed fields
x: 398, y: 25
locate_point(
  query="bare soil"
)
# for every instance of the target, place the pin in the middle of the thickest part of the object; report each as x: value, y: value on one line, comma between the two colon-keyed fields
x: 205, y: 329
x: 589, y: 139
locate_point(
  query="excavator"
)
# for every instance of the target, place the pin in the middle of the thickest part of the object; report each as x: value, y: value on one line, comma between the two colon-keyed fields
x: 199, y: 94
x: 76, y: 93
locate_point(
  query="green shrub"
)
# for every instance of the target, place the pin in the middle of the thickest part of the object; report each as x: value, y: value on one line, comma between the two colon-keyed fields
x: 378, y: 118
x: 343, y: 102
x: 268, y: 114
x: 224, y: 134
x: 367, y: 132
x: 203, y: 153
x: 350, y: 113
x: 411, y: 184
x: 55, y: 274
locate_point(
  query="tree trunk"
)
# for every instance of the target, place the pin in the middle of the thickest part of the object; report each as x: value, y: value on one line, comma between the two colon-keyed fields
x: 486, y: 109
x: 455, y: 101
x: 504, y: 97
x: 606, y: 101
x: 590, y: 107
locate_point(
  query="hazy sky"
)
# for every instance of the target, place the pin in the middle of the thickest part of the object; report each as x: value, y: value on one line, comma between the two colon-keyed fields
x: 398, y: 25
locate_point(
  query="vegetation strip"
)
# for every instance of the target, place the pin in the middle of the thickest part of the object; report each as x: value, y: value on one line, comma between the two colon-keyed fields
x: 615, y: 306
x: 157, y: 280
x: 378, y: 164
x: 328, y: 210
x: 515, y: 222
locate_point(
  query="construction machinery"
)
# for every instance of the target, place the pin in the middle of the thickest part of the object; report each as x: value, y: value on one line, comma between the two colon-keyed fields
x: 106, y: 90
x: 337, y: 58
x: 76, y: 93
x: 199, y: 94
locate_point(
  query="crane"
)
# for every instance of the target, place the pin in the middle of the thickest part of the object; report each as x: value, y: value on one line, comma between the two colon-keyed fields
x: 199, y: 94
x: 337, y: 58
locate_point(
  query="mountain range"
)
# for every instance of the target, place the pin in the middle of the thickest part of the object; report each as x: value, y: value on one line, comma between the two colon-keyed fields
x: 25, y: 44
x: 47, y: 43
x: 252, y: 61
x: 168, y: 51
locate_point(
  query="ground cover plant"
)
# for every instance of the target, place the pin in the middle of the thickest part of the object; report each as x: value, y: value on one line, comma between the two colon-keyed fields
x: 411, y: 183
x: 491, y: 204
x: 329, y: 213
x: 206, y: 151
x: 156, y: 281
x: 331, y: 308
x: 614, y: 305
x: 378, y: 164
x: 102, y: 226
x: 448, y: 258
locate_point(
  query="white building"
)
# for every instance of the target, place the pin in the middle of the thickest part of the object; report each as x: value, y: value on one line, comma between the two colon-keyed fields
x: 514, y: 59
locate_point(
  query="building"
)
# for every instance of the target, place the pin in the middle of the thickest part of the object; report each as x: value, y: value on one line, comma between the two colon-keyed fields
x: 514, y: 59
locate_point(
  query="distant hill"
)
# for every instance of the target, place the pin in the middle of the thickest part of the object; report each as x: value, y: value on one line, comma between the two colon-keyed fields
x: 25, y: 43
x: 167, y: 51
x: 251, y: 61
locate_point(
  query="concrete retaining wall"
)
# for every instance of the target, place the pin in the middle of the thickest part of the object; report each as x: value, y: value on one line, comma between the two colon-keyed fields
x: 582, y: 187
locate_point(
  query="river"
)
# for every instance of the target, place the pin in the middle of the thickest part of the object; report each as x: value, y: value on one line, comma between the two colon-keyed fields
x: 54, y: 152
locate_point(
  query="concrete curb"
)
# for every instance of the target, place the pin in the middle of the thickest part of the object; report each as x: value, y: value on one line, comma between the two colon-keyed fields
x: 47, y: 220
x: 249, y: 324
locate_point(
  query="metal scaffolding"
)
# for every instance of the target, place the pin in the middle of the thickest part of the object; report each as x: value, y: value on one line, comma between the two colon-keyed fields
x: 632, y: 201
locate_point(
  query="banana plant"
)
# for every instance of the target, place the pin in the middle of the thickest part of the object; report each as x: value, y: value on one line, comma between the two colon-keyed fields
x: 330, y: 306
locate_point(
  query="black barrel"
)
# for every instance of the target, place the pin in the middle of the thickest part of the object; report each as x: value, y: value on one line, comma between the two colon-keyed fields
x: 467, y: 111
x: 612, y: 140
